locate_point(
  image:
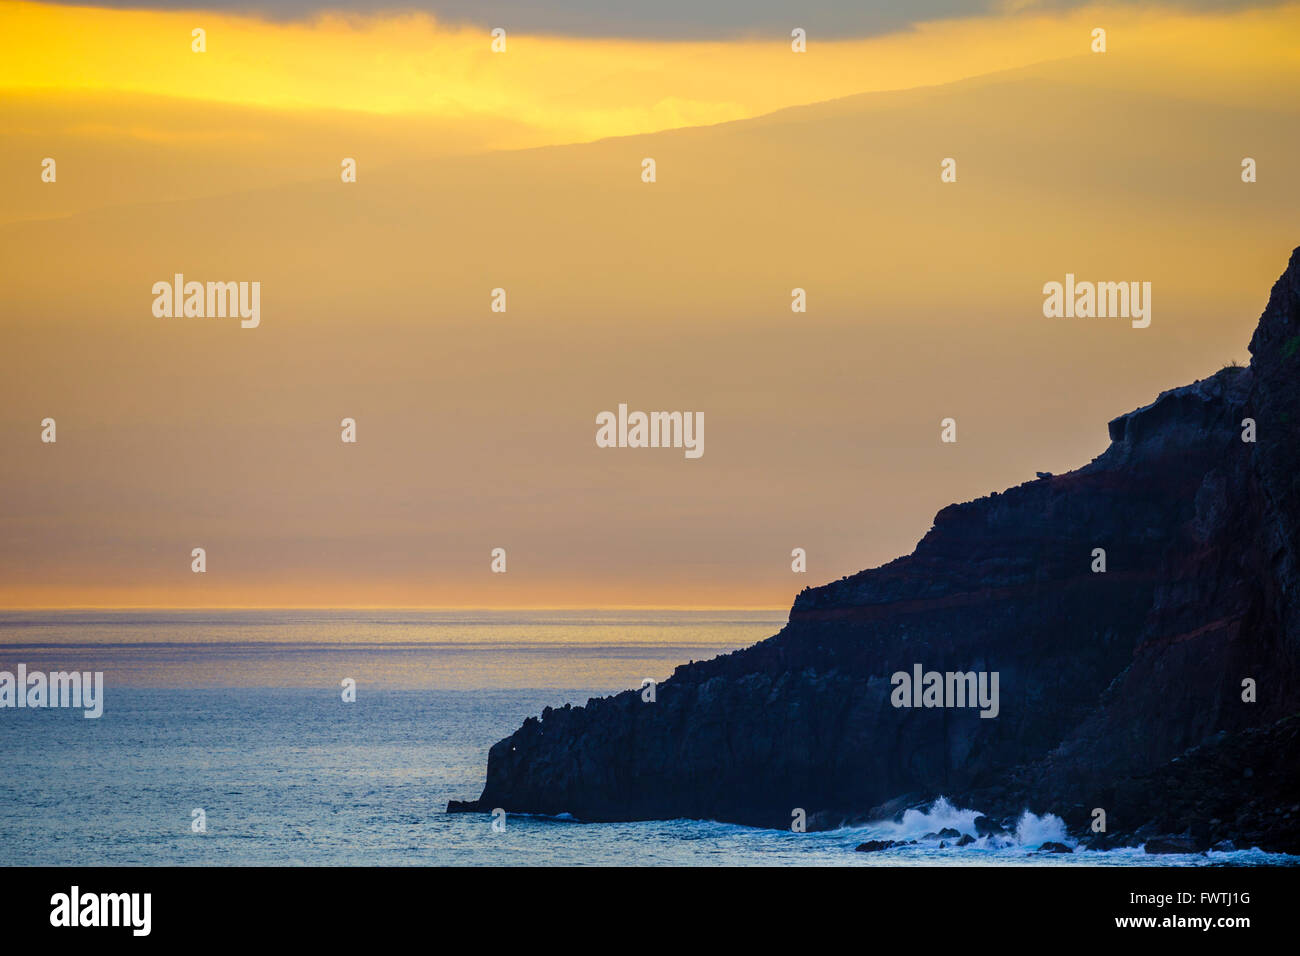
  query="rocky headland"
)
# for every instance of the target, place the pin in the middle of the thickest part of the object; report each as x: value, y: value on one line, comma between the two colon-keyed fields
x: 1125, y: 690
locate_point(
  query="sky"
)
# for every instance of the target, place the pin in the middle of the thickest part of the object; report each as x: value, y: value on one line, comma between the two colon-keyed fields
x: 664, y: 20
x: 522, y: 170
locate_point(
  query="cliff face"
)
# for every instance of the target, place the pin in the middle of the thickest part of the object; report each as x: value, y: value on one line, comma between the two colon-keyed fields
x: 1104, y: 678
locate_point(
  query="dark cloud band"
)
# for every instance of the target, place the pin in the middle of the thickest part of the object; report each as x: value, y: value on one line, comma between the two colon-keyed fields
x: 658, y: 19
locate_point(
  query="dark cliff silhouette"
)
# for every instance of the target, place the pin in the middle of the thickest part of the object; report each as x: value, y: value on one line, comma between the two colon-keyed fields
x: 1121, y: 690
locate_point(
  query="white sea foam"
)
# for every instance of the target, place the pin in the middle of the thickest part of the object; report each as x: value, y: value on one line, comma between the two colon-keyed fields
x: 1033, y: 830
x: 923, y: 825
x: 915, y: 824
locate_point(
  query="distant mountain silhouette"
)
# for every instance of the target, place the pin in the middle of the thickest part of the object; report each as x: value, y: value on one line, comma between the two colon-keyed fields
x: 1120, y: 690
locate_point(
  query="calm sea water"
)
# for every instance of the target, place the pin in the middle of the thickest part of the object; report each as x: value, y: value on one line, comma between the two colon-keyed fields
x: 239, y: 713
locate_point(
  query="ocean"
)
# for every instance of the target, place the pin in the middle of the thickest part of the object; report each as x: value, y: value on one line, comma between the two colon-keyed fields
x: 239, y: 714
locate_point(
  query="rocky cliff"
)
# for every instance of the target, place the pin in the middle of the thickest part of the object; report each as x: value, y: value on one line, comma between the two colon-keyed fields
x: 1121, y: 689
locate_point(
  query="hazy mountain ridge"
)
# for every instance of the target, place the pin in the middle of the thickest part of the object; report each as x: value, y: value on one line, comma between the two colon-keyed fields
x: 678, y: 293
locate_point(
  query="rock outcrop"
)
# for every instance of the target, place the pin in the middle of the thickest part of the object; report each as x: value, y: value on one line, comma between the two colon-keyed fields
x: 1114, y: 687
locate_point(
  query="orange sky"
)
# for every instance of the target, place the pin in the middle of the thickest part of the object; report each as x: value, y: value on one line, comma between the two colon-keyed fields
x: 477, y: 429
x: 558, y: 89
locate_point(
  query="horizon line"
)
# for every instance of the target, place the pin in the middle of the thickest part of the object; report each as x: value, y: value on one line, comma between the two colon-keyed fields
x: 391, y: 607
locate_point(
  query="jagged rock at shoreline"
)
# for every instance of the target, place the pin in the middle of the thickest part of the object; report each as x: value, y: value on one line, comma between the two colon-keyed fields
x: 1051, y: 847
x: 1120, y: 690
x: 875, y: 846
